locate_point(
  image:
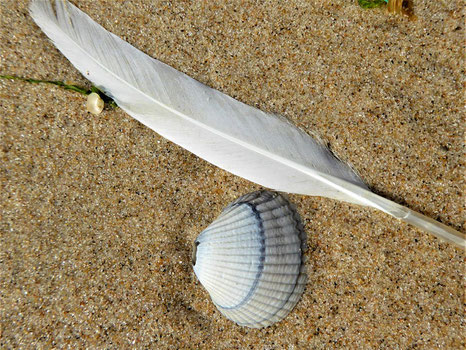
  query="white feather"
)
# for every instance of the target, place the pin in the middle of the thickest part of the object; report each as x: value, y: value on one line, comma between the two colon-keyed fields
x: 260, y: 147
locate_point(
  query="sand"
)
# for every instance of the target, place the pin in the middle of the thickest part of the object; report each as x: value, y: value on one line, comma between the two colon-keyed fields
x: 98, y: 213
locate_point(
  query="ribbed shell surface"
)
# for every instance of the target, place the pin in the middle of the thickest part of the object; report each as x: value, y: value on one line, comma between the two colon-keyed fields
x: 250, y: 259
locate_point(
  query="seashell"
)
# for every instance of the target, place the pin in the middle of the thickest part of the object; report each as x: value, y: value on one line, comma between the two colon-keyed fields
x: 94, y: 103
x: 250, y: 259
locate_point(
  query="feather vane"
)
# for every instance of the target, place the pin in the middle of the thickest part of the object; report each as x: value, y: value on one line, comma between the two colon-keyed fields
x: 261, y: 147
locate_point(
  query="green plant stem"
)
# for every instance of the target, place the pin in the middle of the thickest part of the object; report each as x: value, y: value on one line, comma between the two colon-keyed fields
x: 71, y: 87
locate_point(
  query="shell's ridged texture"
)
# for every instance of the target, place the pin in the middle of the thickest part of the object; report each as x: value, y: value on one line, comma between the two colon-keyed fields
x: 250, y: 259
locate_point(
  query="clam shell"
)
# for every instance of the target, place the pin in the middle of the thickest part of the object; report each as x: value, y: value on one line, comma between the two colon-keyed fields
x: 250, y: 259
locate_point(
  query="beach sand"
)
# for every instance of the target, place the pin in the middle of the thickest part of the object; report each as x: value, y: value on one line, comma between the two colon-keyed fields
x: 98, y: 213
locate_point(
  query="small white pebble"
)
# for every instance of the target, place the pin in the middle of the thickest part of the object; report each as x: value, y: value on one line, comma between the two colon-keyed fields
x: 94, y: 104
